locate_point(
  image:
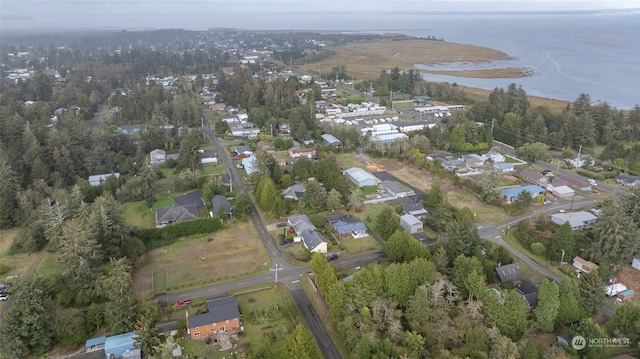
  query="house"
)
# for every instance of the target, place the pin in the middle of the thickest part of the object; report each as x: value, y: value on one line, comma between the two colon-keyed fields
x: 314, y: 241
x: 360, y: 177
x: 310, y: 153
x: 95, y: 344
x: 193, y: 197
x: 628, y: 181
x: 210, y: 156
x: 331, y: 140
x: 294, y: 192
x: 121, y: 346
x: 503, y: 166
x: 415, y: 209
x: 350, y: 228
x: 334, y: 217
x: 510, y: 194
x: 249, y: 165
x: 300, y: 223
x: 579, y: 161
x: 584, y: 265
x: 494, y: 156
x: 453, y: 165
x: 533, y: 177
x: 220, y: 206
x: 529, y: 292
x: 411, y: 223
x: 174, y: 214
x: 158, y: 157
x: 98, y: 180
x: 574, y: 182
x: 578, y: 220
x: 509, y: 273
x: 223, y: 316
x: 561, y: 191
x: 395, y: 189
x: 635, y: 262
x: 625, y: 295
x: 473, y: 160
x: 244, y: 150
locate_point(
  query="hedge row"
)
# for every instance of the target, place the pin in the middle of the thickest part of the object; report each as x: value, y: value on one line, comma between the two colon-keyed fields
x: 158, y: 237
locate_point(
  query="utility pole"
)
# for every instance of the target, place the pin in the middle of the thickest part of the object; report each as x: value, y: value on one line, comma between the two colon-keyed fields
x: 492, y: 121
x: 276, y: 270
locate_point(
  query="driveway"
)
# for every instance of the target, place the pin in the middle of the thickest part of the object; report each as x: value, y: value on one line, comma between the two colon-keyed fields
x: 386, y: 176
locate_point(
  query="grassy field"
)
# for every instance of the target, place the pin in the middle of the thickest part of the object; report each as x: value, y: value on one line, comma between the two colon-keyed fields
x: 484, y: 213
x: 49, y: 266
x: 508, y: 237
x: 349, y: 160
x: 139, y: 215
x: 356, y: 245
x: 213, y: 169
x: 366, y: 60
x: 232, y: 252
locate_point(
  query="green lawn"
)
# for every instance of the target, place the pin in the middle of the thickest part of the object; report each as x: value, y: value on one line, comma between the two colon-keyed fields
x: 484, y: 213
x: 369, y: 214
x: 509, y: 238
x: 139, y: 215
x: 355, y: 245
x: 49, y: 266
x: 213, y: 169
x: 350, y: 160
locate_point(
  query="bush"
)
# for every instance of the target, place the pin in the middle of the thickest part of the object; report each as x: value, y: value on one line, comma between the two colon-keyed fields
x: 159, y: 237
x: 4, y: 269
x: 538, y: 248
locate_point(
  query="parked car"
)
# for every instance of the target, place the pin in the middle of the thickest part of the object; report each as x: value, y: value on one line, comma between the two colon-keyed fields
x: 332, y: 256
x: 235, y: 158
x: 285, y: 241
x: 562, y: 211
x: 280, y: 225
x: 547, y: 202
x: 4, y: 296
x: 182, y: 303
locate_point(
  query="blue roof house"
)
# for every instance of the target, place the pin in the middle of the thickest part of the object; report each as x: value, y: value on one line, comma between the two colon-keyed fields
x: 117, y: 345
x: 249, y: 164
x: 95, y: 344
x: 510, y: 194
x: 346, y: 229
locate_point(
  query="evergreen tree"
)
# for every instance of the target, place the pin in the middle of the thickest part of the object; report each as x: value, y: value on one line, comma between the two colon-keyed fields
x: 571, y: 308
x: 563, y: 240
x: 386, y: 223
x: 548, y: 305
x: 122, y: 308
x: 301, y: 345
x: 591, y: 291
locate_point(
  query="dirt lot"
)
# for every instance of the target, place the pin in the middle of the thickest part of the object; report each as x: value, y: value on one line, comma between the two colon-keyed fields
x: 232, y: 252
x: 631, y: 278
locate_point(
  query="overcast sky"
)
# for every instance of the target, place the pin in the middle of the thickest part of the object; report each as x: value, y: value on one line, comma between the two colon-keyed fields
x: 172, y: 13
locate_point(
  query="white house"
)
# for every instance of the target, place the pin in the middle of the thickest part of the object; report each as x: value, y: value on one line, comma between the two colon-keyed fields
x: 411, y: 223
x: 579, y: 161
x: 494, y: 156
x: 158, y: 157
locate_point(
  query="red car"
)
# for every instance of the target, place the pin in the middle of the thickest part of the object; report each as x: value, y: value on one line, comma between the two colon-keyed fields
x: 182, y: 303
x: 235, y: 158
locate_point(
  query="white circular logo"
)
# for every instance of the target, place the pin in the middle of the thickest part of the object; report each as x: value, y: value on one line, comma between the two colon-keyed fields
x: 578, y: 342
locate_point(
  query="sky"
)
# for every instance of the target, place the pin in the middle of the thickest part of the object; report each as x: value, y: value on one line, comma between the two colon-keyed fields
x: 166, y: 13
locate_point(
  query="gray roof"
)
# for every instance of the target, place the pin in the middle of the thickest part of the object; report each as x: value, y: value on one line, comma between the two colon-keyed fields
x: 220, y: 200
x: 410, y: 219
x: 412, y: 207
x: 242, y: 149
x: 331, y: 139
x: 295, y: 192
x: 97, y: 180
x: 509, y: 273
x: 312, y: 239
x: 176, y: 213
x: 393, y: 187
x: 349, y: 226
x: 301, y: 223
x: 575, y: 219
x: 219, y: 310
x: 359, y: 175
x: 194, y: 198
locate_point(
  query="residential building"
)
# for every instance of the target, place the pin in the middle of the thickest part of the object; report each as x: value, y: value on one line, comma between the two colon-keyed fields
x: 249, y: 165
x: 529, y: 292
x: 331, y: 140
x: 294, y: 192
x: 350, y: 228
x: 335, y: 217
x: 510, y: 194
x: 406, y: 127
x: 244, y: 150
x: 301, y: 223
x: 223, y: 316
x: 574, y: 183
x: 394, y: 189
x: 174, y: 214
x: 220, y: 206
x: 628, y: 181
x: 561, y: 191
x: 121, y: 346
x: 579, y: 161
x: 509, y: 273
x: 210, y: 156
x: 360, y: 177
x: 584, y: 265
x: 98, y: 180
x: 533, y: 177
x: 314, y: 241
x: 577, y: 220
x: 158, y: 157
x: 411, y: 223
x: 415, y: 209
x: 503, y: 167
x: 494, y: 156
x: 295, y: 153
x: 473, y: 160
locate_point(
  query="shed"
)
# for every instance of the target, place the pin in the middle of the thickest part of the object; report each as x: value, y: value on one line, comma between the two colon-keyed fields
x: 635, y: 262
x: 509, y: 273
x: 584, y: 265
x: 561, y: 191
x: 331, y: 140
x: 360, y: 177
x: 395, y: 189
x: 97, y: 180
x: 625, y: 295
x: 411, y: 223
